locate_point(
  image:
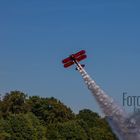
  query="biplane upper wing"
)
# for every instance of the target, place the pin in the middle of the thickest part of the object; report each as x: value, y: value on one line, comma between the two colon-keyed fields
x: 81, y: 57
x: 66, y: 60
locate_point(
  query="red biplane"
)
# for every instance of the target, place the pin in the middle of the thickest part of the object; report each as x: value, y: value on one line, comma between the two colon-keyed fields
x: 74, y: 59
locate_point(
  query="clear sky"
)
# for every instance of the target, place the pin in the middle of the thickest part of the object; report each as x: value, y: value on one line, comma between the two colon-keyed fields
x: 36, y: 35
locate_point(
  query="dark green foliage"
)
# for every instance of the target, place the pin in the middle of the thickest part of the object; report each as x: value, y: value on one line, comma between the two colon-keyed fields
x: 91, y: 118
x: 98, y: 128
x: 70, y: 130
x: 37, y: 118
x: 23, y: 127
x: 14, y: 102
x: 50, y: 110
x: 101, y: 134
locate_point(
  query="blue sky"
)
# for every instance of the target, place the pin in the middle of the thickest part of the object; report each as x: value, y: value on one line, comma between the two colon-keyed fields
x: 36, y: 35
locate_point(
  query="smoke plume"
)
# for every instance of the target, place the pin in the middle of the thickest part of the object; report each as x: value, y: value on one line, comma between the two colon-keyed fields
x: 126, y: 128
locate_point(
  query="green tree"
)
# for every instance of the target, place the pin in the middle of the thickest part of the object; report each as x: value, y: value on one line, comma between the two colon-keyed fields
x: 3, y: 134
x: 50, y: 110
x: 14, y: 102
x: 91, y: 118
x: 34, y: 118
x: 98, y: 133
x: 23, y: 127
x: 97, y: 127
x: 70, y: 130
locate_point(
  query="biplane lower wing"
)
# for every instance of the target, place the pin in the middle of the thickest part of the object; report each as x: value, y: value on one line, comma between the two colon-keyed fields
x: 68, y: 64
x: 75, y: 56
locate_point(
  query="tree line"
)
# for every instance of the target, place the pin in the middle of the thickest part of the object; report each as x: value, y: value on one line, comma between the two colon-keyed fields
x: 24, y: 117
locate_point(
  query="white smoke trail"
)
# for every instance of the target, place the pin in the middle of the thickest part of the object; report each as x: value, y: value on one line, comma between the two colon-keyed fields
x: 124, y: 128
